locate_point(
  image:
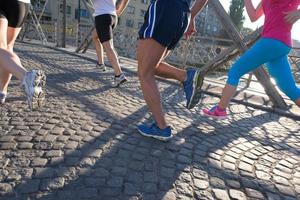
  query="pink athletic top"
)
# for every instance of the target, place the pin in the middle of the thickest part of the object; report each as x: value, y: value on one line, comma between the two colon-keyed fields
x: 275, y: 25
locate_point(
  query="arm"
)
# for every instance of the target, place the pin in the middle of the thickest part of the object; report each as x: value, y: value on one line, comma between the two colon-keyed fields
x: 292, y: 17
x: 199, y: 4
x: 253, y: 13
x: 121, y: 6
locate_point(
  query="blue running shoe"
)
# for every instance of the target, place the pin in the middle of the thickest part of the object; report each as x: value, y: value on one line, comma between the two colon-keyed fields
x: 192, y: 87
x: 155, y: 132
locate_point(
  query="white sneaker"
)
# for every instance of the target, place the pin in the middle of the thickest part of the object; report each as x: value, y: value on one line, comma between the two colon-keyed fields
x: 101, y: 67
x: 119, y: 80
x: 34, y: 83
x: 2, y: 97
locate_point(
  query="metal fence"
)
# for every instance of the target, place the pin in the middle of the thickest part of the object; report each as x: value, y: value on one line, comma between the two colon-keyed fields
x: 194, y: 52
x: 50, y: 31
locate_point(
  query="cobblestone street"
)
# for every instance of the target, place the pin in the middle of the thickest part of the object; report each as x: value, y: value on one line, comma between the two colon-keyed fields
x: 84, y: 144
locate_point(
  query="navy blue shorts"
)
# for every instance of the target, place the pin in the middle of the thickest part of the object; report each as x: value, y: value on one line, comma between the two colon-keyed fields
x: 165, y: 22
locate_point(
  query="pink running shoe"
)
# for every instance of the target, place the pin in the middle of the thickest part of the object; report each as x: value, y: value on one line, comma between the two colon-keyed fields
x: 215, y: 112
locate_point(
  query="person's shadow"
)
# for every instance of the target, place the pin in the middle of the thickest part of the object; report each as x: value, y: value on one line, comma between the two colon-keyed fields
x: 112, y: 161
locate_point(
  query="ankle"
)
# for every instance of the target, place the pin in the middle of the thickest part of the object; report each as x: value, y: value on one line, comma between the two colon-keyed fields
x: 221, y: 108
x: 161, y: 126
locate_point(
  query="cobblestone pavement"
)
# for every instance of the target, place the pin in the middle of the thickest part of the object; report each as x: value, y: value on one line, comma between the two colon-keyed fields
x: 84, y: 145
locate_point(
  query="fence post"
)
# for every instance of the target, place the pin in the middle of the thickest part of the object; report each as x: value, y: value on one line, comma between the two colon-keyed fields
x: 61, y: 24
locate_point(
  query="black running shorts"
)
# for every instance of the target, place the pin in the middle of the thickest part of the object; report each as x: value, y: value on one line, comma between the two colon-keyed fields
x: 14, y: 11
x: 165, y: 22
x: 104, y: 26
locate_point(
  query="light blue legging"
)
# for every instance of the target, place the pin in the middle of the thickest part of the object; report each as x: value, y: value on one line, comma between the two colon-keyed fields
x: 274, y: 54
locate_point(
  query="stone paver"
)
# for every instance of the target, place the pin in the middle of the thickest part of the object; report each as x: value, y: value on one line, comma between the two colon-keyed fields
x: 84, y: 145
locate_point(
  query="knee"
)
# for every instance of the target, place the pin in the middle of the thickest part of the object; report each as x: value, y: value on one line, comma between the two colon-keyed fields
x: 293, y: 92
x: 108, y: 48
x: 145, y: 72
x: 141, y: 73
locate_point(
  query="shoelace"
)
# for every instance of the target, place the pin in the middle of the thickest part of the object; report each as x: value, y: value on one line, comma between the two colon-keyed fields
x: 156, y: 127
x: 153, y: 125
x: 213, y: 108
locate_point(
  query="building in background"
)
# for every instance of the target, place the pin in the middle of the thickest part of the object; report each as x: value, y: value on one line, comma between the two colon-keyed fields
x: 54, y: 7
x: 208, y: 25
x: 52, y: 16
x: 133, y: 16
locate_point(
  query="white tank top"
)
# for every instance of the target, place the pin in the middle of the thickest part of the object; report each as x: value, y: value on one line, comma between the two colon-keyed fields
x: 105, y: 7
x: 25, y: 1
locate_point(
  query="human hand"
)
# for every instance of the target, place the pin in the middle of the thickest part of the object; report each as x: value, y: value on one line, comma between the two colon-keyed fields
x: 292, y: 17
x: 118, y: 13
x: 191, y: 29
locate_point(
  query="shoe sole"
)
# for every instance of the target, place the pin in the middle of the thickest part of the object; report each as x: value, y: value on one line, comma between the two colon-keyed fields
x: 212, y: 116
x: 41, y: 98
x: 38, y: 97
x: 42, y: 94
x: 195, y: 98
x: 164, y: 139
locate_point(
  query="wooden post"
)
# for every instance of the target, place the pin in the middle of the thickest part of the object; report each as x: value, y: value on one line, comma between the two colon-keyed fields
x: 61, y: 23
x: 261, y: 74
x: 78, y: 23
x: 64, y: 23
